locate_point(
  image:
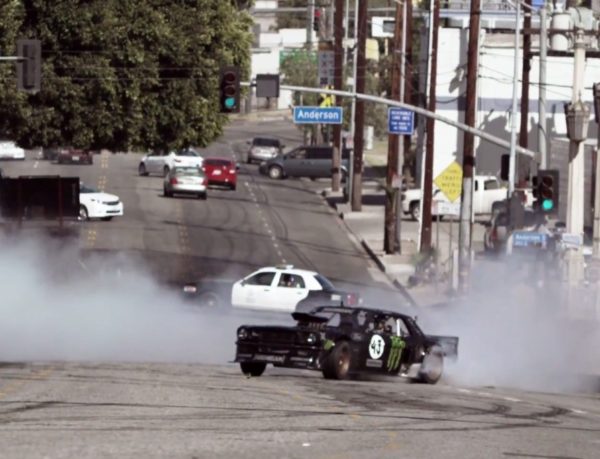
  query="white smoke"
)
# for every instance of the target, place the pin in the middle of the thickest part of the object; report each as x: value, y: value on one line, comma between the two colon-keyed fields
x: 517, y: 333
x: 53, y: 306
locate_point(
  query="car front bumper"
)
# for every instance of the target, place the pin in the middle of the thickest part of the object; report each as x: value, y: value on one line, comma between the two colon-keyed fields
x: 107, y: 210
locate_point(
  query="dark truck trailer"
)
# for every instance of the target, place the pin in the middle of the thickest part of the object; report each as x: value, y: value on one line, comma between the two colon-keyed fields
x: 40, y: 203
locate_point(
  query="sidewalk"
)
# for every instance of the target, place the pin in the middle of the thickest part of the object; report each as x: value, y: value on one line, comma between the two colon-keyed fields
x: 367, y: 228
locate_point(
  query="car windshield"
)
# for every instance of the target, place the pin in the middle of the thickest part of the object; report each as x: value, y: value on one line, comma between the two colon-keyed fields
x: 324, y: 282
x: 87, y: 189
x: 188, y: 171
x: 262, y: 142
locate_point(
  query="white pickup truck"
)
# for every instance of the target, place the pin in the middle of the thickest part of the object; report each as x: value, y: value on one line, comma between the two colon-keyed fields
x: 487, y: 190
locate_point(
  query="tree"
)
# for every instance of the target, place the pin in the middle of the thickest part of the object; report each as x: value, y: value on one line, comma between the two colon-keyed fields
x: 124, y: 74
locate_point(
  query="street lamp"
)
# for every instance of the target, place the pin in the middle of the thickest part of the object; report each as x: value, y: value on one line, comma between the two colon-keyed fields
x: 578, y: 115
x: 596, y: 246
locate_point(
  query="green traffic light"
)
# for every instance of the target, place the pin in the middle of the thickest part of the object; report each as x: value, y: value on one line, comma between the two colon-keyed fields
x: 547, y: 204
x: 230, y: 102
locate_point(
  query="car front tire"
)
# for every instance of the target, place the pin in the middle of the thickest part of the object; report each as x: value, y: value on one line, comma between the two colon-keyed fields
x: 254, y: 369
x: 142, y: 170
x: 415, y: 210
x: 275, y: 172
x: 337, y: 362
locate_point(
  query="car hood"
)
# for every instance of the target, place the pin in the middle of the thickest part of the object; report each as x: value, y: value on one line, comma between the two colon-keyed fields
x: 99, y: 196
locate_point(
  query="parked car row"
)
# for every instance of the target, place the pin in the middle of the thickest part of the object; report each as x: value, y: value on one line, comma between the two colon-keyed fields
x: 186, y: 172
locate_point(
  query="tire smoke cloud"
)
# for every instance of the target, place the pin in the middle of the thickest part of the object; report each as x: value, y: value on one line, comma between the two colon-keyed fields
x: 54, y: 306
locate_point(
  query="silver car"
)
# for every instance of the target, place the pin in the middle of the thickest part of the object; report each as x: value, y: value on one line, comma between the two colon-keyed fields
x: 263, y: 149
x: 185, y: 180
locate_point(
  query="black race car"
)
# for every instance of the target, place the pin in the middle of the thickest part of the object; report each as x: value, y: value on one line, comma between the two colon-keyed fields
x: 342, y: 341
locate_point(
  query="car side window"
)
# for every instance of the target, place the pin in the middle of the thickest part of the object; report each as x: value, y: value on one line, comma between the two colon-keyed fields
x: 491, y: 185
x: 264, y: 278
x: 300, y: 154
x: 291, y: 281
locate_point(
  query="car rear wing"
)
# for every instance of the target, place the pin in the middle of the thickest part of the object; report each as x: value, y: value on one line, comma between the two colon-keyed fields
x: 449, y: 345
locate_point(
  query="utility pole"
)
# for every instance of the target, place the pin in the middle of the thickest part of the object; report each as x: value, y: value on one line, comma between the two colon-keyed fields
x: 523, y: 140
x: 466, y: 207
x: 359, y: 115
x: 513, y: 122
x: 391, y: 208
x: 310, y: 21
x: 575, y: 201
x: 542, y: 142
x: 427, y: 185
x: 338, y: 33
x: 407, y: 72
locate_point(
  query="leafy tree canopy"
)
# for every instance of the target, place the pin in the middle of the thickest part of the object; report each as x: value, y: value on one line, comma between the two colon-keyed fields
x: 122, y: 74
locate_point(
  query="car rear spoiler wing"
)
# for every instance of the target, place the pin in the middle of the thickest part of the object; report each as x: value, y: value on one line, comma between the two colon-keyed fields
x: 304, y: 317
x: 449, y: 345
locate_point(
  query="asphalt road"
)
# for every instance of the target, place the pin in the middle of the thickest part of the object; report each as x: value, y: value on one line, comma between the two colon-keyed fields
x: 115, y: 365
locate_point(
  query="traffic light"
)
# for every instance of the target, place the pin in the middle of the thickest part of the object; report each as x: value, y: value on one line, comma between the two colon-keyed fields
x: 546, y: 190
x: 229, y: 90
x: 317, y: 19
x: 29, y: 69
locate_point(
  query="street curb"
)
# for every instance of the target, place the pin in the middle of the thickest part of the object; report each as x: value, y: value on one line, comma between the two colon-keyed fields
x: 370, y: 252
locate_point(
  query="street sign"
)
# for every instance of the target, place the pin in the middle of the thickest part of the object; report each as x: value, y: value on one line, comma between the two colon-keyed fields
x: 326, y: 67
x: 529, y: 238
x: 447, y: 208
x: 401, y: 121
x: 318, y: 115
x: 571, y: 240
x: 450, y: 181
x: 537, y: 4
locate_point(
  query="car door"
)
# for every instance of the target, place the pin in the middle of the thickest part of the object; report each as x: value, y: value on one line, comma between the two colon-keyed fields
x: 295, y: 164
x: 154, y: 163
x: 288, y: 291
x: 254, y: 291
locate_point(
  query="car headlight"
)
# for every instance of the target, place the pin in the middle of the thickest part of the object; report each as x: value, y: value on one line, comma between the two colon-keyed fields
x: 311, y: 338
x: 242, y: 333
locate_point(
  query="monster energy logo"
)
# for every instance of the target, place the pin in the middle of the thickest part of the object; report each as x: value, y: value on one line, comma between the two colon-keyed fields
x: 395, y: 353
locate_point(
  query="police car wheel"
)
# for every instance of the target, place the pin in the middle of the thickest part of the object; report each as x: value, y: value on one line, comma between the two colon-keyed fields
x: 253, y: 368
x: 337, y: 363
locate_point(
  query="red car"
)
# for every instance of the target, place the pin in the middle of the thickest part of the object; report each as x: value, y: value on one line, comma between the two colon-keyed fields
x: 220, y: 171
x: 74, y: 156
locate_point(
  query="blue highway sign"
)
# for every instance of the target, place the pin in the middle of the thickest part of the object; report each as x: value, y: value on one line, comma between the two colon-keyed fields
x: 318, y: 115
x: 401, y: 121
x: 527, y: 238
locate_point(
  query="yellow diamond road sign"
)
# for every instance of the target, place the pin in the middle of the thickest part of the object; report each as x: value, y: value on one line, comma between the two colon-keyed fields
x: 450, y: 181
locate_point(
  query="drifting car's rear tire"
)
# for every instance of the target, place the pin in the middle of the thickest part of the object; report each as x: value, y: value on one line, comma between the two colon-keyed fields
x: 254, y: 369
x: 142, y: 170
x: 337, y: 363
x: 432, y: 367
x: 83, y: 213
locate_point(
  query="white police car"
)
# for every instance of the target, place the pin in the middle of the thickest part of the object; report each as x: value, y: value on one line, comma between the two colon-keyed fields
x: 279, y: 288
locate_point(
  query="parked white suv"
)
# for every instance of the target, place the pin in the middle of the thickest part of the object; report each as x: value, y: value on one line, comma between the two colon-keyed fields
x: 161, y: 163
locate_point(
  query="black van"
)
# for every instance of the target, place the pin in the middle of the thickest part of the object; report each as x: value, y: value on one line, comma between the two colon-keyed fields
x: 305, y: 161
